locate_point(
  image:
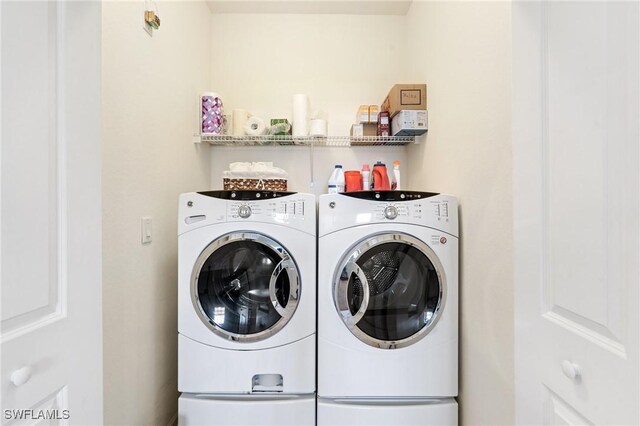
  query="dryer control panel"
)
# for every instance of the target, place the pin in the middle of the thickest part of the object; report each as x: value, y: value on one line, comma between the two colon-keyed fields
x: 418, y: 210
x: 339, y: 211
x: 393, y: 211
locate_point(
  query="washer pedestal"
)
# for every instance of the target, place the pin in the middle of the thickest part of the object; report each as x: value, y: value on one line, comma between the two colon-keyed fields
x: 246, y: 410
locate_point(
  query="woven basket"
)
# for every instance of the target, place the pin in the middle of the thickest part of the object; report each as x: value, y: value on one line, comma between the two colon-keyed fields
x: 255, y: 184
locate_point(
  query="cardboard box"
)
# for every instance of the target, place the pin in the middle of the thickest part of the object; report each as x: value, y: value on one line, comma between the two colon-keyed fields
x: 364, y: 129
x: 370, y: 129
x: 405, y: 97
x: 374, y: 110
x: 409, y: 123
x: 363, y: 114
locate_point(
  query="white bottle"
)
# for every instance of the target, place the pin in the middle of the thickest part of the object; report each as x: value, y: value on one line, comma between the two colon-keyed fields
x: 340, y: 182
x: 366, y: 173
x: 396, y: 176
x: 336, y: 180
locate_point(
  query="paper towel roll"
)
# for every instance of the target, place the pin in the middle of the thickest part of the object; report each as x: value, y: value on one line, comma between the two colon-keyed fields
x: 318, y: 127
x: 300, y: 122
x: 211, y: 114
x: 255, y: 126
x: 240, y: 117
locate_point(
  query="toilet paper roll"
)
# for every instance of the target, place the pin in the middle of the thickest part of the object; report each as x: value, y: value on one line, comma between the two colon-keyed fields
x: 240, y: 118
x: 300, y: 122
x: 318, y: 127
x: 211, y: 114
x: 255, y: 126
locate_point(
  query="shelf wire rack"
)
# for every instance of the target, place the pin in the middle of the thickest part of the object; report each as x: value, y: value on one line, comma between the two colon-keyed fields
x: 288, y: 140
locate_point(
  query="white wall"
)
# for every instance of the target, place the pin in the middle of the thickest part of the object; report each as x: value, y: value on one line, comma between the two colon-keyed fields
x: 463, y: 51
x: 150, y: 89
x: 340, y: 61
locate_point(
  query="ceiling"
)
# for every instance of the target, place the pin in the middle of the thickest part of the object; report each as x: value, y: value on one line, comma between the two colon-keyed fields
x: 351, y: 7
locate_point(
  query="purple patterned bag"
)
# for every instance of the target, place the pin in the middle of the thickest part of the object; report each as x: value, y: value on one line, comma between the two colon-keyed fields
x: 212, y: 114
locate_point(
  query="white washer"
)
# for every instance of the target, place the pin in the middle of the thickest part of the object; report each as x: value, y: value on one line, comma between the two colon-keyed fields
x: 388, y: 307
x: 246, y: 307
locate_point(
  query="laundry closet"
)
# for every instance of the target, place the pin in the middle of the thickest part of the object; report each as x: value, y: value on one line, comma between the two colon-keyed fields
x: 256, y: 56
x: 397, y: 291
x: 533, y: 127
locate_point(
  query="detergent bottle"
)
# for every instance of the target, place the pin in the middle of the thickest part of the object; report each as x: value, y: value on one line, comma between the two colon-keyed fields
x: 380, y: 177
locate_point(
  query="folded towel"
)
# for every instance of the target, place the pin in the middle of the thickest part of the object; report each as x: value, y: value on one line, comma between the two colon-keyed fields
x: 263, y: 167
x: 257, y: 170
x: 240, y: 167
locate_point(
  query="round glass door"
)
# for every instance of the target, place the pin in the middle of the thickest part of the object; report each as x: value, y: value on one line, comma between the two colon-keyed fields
x: 390, y: 290
x: 245, y: 286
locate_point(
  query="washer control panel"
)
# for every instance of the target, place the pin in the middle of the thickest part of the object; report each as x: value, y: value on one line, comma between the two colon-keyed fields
x: 276, y: 209
x: 294, y: 210
x: 244, y: 211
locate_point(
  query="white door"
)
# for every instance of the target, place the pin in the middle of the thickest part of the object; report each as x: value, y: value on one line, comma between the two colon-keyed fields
x: 576, y: 212
x: 51, y: 325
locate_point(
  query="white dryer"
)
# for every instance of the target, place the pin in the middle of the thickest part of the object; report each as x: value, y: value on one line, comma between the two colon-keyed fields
x: 387, y: 308
x: 246, y: 307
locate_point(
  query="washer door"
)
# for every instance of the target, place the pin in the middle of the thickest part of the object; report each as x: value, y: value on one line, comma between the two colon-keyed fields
x: 390, y: 290
x: 245, y: 286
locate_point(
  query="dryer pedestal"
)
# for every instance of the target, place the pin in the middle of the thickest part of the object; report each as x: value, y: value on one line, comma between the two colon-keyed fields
x: 246, y: 410
x: 387, y: 412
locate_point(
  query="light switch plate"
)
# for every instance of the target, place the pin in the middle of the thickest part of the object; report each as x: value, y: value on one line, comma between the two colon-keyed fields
x: 146, y: 230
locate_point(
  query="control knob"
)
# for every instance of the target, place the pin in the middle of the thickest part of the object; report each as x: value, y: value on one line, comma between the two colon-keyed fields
x: 390, y: 212
x: 244, y: 211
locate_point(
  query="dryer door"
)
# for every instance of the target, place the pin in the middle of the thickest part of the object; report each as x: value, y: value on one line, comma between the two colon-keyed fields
x: 390, y: 290
x: 245, y: 286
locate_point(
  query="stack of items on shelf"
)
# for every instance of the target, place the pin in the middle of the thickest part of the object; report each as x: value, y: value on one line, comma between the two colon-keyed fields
x: 364, y: 180
x: 254, y: 176
x: 304, y: 122
x: 246, y: 124
x: 406, y: 105
x: 402, y: 113
x: 367, y: 121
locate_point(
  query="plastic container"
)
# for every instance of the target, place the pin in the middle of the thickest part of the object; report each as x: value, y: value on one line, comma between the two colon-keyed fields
x: 353, y: 180
x: 380, y: 177
x: 336, y: 180
x: 366, y: 173
x: 395, y: 184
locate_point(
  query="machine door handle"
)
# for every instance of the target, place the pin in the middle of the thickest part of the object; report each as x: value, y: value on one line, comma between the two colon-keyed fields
x: 286, y: 265
x: 21, y: 376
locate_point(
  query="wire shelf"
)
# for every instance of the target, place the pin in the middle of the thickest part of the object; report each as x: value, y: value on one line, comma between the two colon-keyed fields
x: 288, y: 140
